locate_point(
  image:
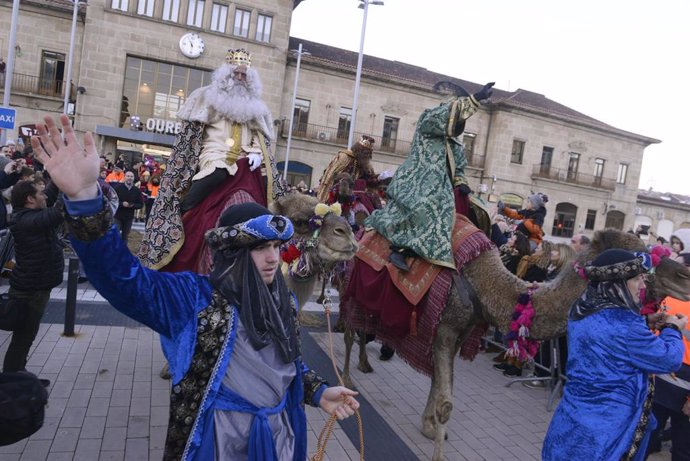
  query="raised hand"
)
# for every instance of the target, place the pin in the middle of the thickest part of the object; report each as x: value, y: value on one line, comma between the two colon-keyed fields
x: 485, y: 92
x: 73, y: 168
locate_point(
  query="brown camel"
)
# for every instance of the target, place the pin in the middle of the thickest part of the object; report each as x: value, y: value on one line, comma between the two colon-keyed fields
x: 497, y: 291
x: 333, y: 243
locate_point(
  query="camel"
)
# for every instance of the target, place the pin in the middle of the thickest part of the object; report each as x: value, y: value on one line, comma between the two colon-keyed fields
x: 333, y: 243
x: 496, y: 291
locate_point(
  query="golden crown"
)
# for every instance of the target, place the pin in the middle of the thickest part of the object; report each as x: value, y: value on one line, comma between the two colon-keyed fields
x: 239, y: 57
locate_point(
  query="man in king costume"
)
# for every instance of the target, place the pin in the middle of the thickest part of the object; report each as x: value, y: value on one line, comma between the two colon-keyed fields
x: 356, y: 162
x: 232, y: 339
x: 215, y: 162
x: 419, y: 216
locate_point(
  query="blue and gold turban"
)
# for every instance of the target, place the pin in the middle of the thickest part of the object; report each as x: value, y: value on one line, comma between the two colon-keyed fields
x: 618, y: 264
x: 247, y: 225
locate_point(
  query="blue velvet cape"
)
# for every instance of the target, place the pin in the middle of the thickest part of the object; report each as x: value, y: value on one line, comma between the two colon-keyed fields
x: 610, y: 355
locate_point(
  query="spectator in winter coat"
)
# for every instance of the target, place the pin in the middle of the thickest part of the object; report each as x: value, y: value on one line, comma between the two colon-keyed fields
x: 531, y: 217
x: 39, y: 264
x: 9, y: 175
x: 130, y: 200
x: 680, y: 243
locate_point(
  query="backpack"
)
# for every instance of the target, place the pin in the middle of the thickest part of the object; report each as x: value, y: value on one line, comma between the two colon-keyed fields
x: 22, y: 406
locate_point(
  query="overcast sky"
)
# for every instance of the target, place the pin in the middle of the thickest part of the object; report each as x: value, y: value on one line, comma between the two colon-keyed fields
x: 623, y: 62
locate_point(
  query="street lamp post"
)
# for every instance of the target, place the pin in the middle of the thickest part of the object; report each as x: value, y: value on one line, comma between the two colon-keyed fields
x: 299, y: 54
x: 9, y: 66
x: 68, y: 85
x: 363, y: 4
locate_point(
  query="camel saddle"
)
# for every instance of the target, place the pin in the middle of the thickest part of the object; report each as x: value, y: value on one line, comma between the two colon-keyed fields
x: 374, y: 251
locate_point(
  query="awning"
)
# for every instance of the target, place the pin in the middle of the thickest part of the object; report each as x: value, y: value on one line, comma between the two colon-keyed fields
x: 141, y: 137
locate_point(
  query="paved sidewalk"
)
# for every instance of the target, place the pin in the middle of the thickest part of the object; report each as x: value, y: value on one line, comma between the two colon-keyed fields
x: 107, y: 401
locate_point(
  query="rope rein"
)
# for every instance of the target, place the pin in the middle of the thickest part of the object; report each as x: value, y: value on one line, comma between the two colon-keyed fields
x: 327, y: 429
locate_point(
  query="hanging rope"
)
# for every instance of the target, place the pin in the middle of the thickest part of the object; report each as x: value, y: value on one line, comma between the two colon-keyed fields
x: 330, y: 423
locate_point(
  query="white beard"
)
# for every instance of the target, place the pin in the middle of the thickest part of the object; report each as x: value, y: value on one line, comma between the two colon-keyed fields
x: 227, y: 99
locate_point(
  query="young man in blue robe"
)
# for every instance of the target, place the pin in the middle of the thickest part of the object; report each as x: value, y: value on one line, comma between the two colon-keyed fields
x: 231, y: 338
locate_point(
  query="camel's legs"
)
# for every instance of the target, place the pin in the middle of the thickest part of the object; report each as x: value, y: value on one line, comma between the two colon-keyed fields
x: 349, y: 338
x: 428, y: 417
x: 445, y: 346
x: 363, y: 364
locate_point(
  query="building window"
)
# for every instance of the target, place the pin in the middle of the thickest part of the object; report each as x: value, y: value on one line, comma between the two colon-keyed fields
x: 564, y: 222
x: 297, y: 171
x: 599, y: 167
x: 546, y: 158
x: 121, y: 5
x: 155, y: 89
x: 171, y: 10
x: 598, y: 170
x: 344, y: 120
x: 300, y: 117
x: 51, y: 82
x: 195, y: 13
x: 145, y: 8
x: 573, y: 165
x: 591, y: 219
x: 219, y: 17
x: 518, y: 151
x: 622, y: 173
x: 263, y: 28
x: 241, y: 28
x: 468, y: 140
x: 390, y: 133
x: 615, y: 219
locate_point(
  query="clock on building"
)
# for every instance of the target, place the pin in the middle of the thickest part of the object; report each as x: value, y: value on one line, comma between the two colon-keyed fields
x: 191, y: 45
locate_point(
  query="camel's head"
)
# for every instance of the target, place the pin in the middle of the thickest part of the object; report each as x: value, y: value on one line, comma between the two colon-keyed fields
x: 670, y: 278
x: 336, y: 242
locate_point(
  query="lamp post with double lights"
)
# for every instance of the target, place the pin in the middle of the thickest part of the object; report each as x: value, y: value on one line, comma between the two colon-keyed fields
x: 299, y: 52
x: 363, y: 4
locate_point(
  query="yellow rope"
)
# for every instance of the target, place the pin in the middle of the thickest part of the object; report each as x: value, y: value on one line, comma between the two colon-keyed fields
x: 327, y: 429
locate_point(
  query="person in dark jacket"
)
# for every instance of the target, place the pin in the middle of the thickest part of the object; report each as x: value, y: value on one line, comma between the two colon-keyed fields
x: 9, y: 175
x: 39, y: 264
x: 130, y: 200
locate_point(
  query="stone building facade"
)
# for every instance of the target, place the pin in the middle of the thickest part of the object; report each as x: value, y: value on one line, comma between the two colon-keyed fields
x: 130, y: 75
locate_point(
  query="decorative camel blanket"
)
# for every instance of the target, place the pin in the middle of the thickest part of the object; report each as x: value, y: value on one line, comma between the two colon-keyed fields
x: 374, y: 303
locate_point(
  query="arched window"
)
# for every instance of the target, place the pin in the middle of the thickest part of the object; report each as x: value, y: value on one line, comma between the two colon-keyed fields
x: 564, y: 221
x: 615, y: 219
x: 513, y: 201
x: 297, y: 171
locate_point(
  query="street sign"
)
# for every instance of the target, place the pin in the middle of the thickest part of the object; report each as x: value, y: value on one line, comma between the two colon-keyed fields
x: 7, y: 117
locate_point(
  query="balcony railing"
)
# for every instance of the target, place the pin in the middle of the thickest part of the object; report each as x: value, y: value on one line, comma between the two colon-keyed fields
x: 326, y: 134
x: 565, y: 176
x: 31, y: 84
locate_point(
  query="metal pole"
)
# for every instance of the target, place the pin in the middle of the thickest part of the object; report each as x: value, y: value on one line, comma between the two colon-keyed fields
x: 71, y: 299
x: 351, y: 135
x: 68, y: 83
x: 9, y: 65
x: 292, y: 113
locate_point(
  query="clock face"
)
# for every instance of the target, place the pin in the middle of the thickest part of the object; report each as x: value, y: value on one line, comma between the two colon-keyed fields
x: 191, y: 45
